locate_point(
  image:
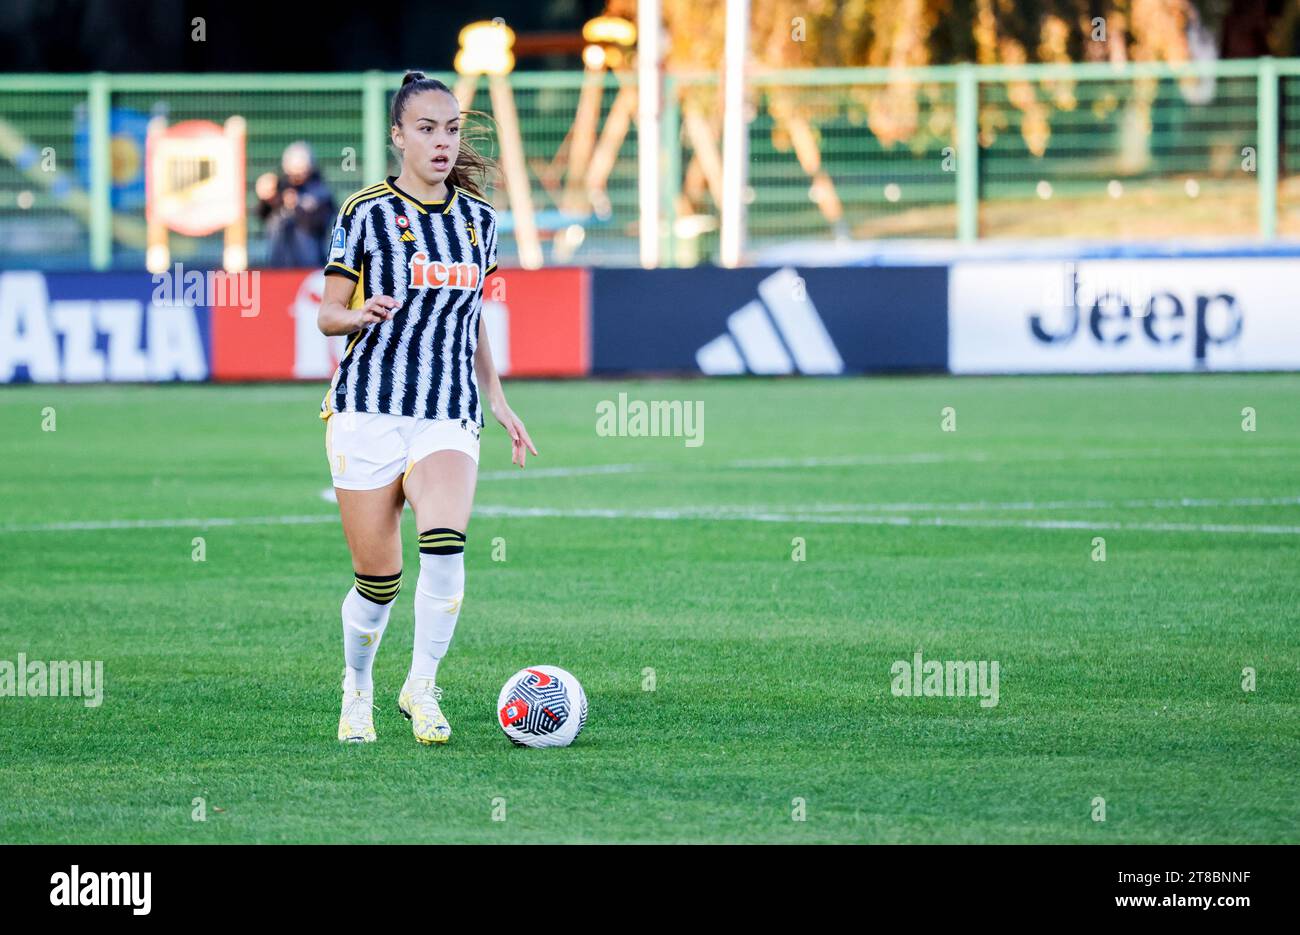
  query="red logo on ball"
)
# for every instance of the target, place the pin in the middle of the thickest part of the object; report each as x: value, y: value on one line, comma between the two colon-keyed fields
x: 514, y: 712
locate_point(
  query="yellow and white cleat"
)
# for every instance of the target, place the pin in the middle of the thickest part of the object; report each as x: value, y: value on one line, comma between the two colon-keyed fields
x: 357, y: 722
x: 418, y: 703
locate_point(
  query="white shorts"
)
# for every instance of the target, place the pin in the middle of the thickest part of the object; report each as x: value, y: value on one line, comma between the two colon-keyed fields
x: 367, y: 450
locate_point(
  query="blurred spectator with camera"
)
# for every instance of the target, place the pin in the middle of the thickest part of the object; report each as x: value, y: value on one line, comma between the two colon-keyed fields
x: 297, y: 209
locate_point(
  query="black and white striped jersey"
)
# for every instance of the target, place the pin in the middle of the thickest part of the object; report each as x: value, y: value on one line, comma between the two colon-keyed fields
x: 432, y: 259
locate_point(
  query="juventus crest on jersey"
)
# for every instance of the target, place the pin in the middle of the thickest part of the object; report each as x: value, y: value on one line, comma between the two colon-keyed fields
x: 431, y: 258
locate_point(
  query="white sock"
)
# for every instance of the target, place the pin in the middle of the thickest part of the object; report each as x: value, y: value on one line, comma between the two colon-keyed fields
x: 364, y: 622
x: 438, y: 595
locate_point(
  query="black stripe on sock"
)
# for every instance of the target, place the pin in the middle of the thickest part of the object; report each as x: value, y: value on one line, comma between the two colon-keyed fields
x: 379, y: 589
x: 442, y: 541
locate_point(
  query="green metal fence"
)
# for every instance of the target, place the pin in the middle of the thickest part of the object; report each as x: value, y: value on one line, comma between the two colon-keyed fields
x: 1132, y: 152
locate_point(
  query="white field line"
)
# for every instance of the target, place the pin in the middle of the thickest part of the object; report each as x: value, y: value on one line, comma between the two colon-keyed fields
x: 732, y: 514
x: 814, y: 513
x: 329, y: 496
x: 105, y: 524
x: 866, y: 520
x: 526, y: 473
x: 987, y: 506
x: 981, y: 456
x: 868, y: 460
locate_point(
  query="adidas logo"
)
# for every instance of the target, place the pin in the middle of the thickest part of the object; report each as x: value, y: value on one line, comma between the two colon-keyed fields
x: 407, y: 237
x: 782, y: 333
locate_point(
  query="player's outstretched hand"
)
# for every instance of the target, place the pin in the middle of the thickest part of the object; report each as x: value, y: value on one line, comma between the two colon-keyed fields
x: 379, y: 308
x: 520, y: 443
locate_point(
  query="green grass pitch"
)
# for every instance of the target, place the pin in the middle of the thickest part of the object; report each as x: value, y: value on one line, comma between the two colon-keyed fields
x: 771, y: 696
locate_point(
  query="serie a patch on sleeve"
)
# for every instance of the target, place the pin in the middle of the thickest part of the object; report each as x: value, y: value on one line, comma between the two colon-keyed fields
x: 336, y: 246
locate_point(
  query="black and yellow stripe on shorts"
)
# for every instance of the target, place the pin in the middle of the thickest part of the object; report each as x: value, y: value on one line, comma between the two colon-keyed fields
x: 379, y: 588
x: 442, y: 542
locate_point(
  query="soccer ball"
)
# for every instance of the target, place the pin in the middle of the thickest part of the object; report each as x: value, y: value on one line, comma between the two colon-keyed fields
x: 542, y: 706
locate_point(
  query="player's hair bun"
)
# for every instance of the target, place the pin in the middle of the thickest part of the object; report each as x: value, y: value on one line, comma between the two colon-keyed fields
x: 413, y: 83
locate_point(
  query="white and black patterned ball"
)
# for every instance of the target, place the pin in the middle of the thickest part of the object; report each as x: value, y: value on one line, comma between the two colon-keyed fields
x: 542, y: 706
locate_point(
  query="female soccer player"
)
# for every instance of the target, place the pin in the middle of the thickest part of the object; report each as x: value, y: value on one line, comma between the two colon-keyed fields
x: 403, y: 411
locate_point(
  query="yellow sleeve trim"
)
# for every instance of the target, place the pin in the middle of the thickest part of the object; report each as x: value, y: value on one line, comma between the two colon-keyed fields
x: 336, y: 267
x: 366, y: 193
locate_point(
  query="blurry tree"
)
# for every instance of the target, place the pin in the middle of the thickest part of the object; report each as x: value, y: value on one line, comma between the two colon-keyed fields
x: 904, y: 33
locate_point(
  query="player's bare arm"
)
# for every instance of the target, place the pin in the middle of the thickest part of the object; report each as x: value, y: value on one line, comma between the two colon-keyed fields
x: 335, y: 317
